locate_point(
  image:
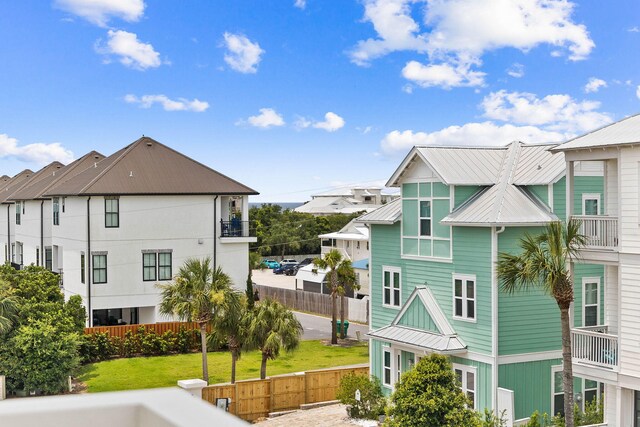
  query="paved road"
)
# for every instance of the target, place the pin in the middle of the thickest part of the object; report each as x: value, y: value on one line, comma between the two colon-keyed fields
x: 318, y: 327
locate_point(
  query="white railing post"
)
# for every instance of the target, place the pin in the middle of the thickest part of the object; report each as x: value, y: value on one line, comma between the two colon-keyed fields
x: 601, y: 231
x: 590, y: 346
x: 193, y: 387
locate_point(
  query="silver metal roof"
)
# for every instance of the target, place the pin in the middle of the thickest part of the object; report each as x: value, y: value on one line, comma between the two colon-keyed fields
x: 501, y: 206
x: 625, y: 131
x: 536, y: 165
x: 418, y: 338
x: 464, y: 166
x: 386, y: 215
x: 352, y: 231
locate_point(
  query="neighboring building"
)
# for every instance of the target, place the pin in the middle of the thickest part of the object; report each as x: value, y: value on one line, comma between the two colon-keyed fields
x: 115, y: 227
x: 8, y: 212
x: 347, y: 201
x: 607, y: 351
x: 434, y: 286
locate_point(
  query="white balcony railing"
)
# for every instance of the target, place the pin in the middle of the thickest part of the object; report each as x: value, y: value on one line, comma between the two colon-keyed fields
x: 594, y: 346
x: 601, y: 230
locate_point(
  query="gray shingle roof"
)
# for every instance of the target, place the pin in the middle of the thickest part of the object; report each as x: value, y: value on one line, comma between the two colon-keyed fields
x: 12, y: 184
x: 147, y: 167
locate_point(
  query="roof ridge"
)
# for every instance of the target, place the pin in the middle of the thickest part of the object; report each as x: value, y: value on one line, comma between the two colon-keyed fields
x: 559, y: 147
x: 30, y: 181
x: 505, y: 178
x: 109, y: 167
x: 69, y: 168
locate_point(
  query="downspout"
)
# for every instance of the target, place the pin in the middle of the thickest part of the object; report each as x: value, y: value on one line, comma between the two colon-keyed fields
x: 215, y: 231
x: 9, y: 232
x: 494, y: 316
x: 88, y: 262
x: 42, y: 232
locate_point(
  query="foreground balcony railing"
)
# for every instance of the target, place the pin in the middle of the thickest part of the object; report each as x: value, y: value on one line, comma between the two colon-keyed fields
x: 236, y: 228
x: 594, y: 346
x: 601, y: 231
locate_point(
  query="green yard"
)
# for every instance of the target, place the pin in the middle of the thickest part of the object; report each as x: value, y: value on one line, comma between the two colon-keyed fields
x: 165, y: 371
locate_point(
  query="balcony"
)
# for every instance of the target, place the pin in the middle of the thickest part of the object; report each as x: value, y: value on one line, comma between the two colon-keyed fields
x: 601, y: 231
x: 595, y: 347
x: 237, y: 231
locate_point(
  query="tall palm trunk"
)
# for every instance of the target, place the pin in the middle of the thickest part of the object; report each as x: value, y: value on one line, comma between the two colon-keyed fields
x: 263, y: 367
x: 567, y: 370
x: 234, y: 359
x: 342, y: 332
x: 203, y: 343
x: 334, y: 318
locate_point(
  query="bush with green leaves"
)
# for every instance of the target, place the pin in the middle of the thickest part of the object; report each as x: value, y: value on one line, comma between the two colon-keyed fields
x: 491, y: 419
x: 593, y: 414
x: 539, y: 420
x: 372, y: 402
x: 40, y: 350
x: 429, y: 396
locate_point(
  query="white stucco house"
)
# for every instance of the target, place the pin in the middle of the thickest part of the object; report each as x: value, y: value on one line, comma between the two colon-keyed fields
x: 348, y: 201
x: 114, y: 228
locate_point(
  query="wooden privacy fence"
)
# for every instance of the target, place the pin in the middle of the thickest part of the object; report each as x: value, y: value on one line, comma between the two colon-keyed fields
x: 300, y: 300
x: 253, y: 399
x: 158, y: 328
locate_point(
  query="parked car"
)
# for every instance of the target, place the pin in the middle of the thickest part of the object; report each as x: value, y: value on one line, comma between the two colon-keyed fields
x: 288, y: 262
x: 270, y: 263
x: 293, y: 270
x: 285, y: 269
x: 305, y: 261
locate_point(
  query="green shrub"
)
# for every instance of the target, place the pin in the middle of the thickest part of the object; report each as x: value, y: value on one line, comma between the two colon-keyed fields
x: 184, y: 340
x: 130, y: 344
x: 152, y: 344
x: 492, y: 420
x: 372, y: 402
x: 539, y: 420
x: 429, y: 396
x: 170, y: 339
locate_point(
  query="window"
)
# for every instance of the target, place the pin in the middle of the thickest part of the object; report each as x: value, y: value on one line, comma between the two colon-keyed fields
x: 48, y: 259
x: 19, y: 254
x: 111, y: 212
x: 358, y: 245
x: 592, y: 390
x: 367, y: 245
x: 391, y: 286
x: 149, y: 266
x: 464, y: 297
x: 82, y: 268
x: 557, y: 404
x: 18, y: 212
x: 13, y: 252
x: 56, y: 211
x: 590, y: 204
x: 164, y: 266
x: 100, y: 268
x: 63, y: 200
x: 37, y: 256
x: 591, y: 301
x: 425, y: 218
x: 398, y: 366
x: 466, y: 377
x: 386, y: 369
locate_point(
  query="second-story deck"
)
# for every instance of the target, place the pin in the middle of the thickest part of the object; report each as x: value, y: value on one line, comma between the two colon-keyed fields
x: 601, y: 231
x: 595, y: 352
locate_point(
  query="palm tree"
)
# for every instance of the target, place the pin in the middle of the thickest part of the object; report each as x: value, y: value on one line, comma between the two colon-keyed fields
x: 340, y: 274
x: 272, y: 327
x: 545, y: 264
x: 8, y: 309
x: 228, y: 325
x: 194, y: 295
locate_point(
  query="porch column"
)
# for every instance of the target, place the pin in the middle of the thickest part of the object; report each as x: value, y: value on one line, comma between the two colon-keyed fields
x: 570, y: 188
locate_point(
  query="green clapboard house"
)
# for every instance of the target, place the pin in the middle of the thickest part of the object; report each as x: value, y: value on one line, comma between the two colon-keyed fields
x: 434, y: 287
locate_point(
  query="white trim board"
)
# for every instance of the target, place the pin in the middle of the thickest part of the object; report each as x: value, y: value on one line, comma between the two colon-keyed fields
x: 530, y: 357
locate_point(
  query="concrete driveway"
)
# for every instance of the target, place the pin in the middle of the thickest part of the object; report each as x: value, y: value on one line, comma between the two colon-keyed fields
x: 319, y: 328
x: 267, y: 278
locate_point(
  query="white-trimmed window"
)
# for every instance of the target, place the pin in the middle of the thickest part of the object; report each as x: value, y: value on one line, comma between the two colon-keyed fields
x: 464, y: 297
x: 56, y: 211
x: 398, y: 365
x: 557, y: 391
x: 591, y: 390
x: 386, y: 366
x: 18, y: 213
x: 391, y: 287
x: 466, y: 377
x: 425, y: 217
x: 590, y: 301
x: 591, y: 204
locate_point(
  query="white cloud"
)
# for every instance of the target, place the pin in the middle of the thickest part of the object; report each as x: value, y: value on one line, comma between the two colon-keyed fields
x: 242, y: 55
x: 478, y: 134
x: 638, y: 91
x: 516, y: 70
x: 131, y: 52
x: 594, y: 85
x: 634, y: 30
x: 34, y: 153
x: 554, y: 112
x: 332, y: 122
x: 444, y: 75
x: 300, y: 4
x: 267, y: 118
x: 181, y: 104
x: 100, y: 11
x: 455, y: 34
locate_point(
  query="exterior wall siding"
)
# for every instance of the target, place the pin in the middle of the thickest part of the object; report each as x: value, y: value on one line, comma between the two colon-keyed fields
x: 483, y: 381
x: 541, y: 192
x: 463, y: 192
x: 417, y: 316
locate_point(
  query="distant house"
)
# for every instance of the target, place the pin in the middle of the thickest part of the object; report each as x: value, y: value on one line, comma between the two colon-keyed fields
x: 348, y: 201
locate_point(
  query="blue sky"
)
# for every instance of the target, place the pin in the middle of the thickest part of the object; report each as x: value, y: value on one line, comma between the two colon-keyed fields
x: 293, y: 97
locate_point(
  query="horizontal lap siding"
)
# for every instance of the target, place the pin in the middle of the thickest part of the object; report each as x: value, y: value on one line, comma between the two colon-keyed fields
x: 587, y: 184
x: 463, y: 192
x: 529, y: 320
x: 483, y: 381
x: 541, y: 192
x: 629, y: 320
x: 560, y: 198
x: 630, y: 204
x: 385, y: 251
x: 531, y: 383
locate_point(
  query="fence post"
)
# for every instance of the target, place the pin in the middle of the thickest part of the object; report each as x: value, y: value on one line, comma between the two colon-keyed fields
x: 193, y: 387
x: 3, y: 388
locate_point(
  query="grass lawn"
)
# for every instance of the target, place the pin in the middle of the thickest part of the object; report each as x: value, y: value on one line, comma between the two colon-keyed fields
x: 165, y: 371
